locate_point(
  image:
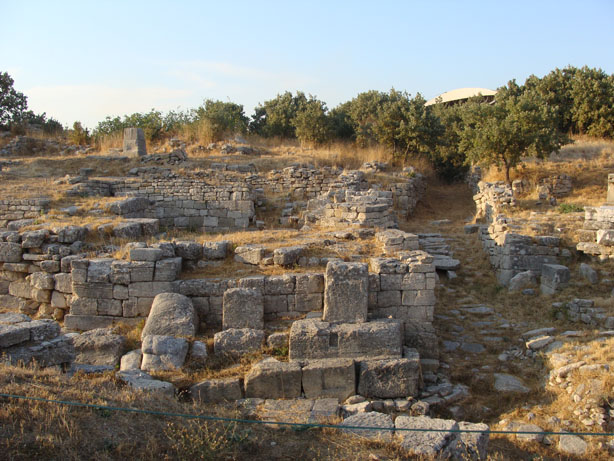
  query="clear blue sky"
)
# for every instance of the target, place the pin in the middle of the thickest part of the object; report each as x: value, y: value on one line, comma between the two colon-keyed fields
x: 83, y: 60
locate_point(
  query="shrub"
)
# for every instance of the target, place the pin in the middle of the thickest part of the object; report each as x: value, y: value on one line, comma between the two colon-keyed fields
x: 569, y: 208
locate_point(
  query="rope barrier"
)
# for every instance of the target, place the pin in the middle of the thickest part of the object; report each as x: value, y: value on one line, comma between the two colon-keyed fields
x: 283, y: 423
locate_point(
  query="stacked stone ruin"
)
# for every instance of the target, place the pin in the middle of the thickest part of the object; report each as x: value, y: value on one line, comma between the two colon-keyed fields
x: 597, y: 234
x: 509, y: 251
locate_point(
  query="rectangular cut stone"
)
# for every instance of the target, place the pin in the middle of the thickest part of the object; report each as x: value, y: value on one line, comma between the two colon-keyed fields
x: 86, y: 322
x: 146, y: 254
x: 314, y: 339
x: 279, y: 285
x: 110, y: 307
x: 390, y: 282
x: 275, y: 303
x: 243, y: 308
x: 83, y: 306
x: 63, y: 282
x: 167, y: 270
x: 390, y: 378
x: 346, y: 292
x: 149, y: 289
x: 414, y: 281
x: 141, y: 271
x: 329, y: 378
x: 308, y: 302
x: 273, y: 379
x: 134, y: 142
x: 93, y: 290
x: 388, y: 298
x: 310, y: 283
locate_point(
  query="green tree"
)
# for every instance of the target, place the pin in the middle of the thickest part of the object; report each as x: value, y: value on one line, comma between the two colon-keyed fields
x: 224, y: 117
x: 312, y: 123
x: 363, y: 114
x: 276, y: 116
x: 447, y: 157
x: 592, y: 91
x: 12, y: 103
x: 79, y: 135
x: 517, y: 125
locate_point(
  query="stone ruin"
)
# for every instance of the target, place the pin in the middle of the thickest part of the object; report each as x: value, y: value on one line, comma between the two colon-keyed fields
x: 134, y: 142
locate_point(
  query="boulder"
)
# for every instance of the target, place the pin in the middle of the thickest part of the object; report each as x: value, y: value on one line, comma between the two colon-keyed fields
x: 509, y: 383
x: 287, y: 256
x: 99, y: 347
x: 423, y: 442
x: 131, y: 360
x: 216, y: 250
x: 554, y: 277
x: 171, y: 314
x: 572, y: 445
x: 522, y: 280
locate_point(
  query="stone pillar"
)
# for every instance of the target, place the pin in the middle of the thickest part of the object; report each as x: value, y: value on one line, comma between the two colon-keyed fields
x: 346, y: 292
x: 610, y: 199
x: 134, y: 142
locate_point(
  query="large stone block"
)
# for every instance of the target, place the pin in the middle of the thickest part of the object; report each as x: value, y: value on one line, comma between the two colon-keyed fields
x: 329, y: 378
x: 390, y: 378
x: 243, y: 308
x: 99, y: 347
x: 346, y: 292
x: 167, y: 270
x: 272, y: 379
x: 217, y: 390
x: 171, y: 314
x: 163, y: 352
x: 10, y: 252
x: 238, y: 341
x: 314, y: 339
x: 554, y: 277
x: 134, y: 142
x: 422, y: 442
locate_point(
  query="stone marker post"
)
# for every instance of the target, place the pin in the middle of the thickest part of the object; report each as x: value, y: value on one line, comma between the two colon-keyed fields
x: 134, y: 142
x: 346, y: 292
x: 610, y: 199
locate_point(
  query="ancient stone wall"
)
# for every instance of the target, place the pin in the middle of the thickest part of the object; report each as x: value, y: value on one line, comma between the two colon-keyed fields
x: 510, y: 252
x: 597, y: 234
x: 17, y: 209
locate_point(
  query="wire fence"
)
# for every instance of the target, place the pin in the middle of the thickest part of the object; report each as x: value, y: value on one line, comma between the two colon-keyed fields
x: 286, y: 423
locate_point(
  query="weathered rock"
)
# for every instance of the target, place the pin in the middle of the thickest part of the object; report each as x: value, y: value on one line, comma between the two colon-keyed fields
x: 313, y: 339
x: 536, y: 433
x: 346, y: 292
x: 171, y: 314
x: 217, y: 390
x: 509, y: 383
x: 470, y: 445
x: 243, y: 308
x: 276, y: 340
x: 141, y: 381
x: 189, y: 250
x: 589, y: 273
x: 371, y: 419
x: 99, y: 347
x: 238, y: 341
x: 287, y: 256
x: 134, y: 142
x: 131, y: 360
x: 10, y: 252
x: 554, y: 277
x: 146, y: 254
x: 128, y: 206
x: 522, y: 280
x: 572, y: 445
x: 424, y: 443
x: 391, y: 378
x: 198, y: 353
x: 329, y: 378
x: 216, y: 250
x: 163, y: 352
x: 249, y: 254
x: 273, y: 379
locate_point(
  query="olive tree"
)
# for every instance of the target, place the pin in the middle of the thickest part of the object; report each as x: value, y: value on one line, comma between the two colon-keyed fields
x: 12, y: 103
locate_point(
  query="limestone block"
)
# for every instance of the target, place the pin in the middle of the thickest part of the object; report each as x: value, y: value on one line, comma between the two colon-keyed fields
x: 110, y: 307
x: 87, y: 322
x: 142, y: 271
x: 276, y: 340
x: 142, y: 381
x: 99, y: 270
x: 313, y: 339
x: 148, y: 289
x: 216, y: 250
x: 34, y: 239
x: 42, y: 280
x: 131, y: 360
x: 589, y: 273
x: 249, y: 254
x: 99, y: 347
x: 279, y: 284
x: 238, y: 341
x: 287, y: 256
x: 63, y: 282
x: 310, y: 283
x: 390, y: 378
x: 346, y: 292
x: 189, y: 250
x: 145, y: 254
x: 58, y: 300
x: 273, y: 380
x: 83, y: 306
x: 167, y: 270
x: 171, y: 314
x: 163, y: 352
x: 10, y: 252
x: 93, y: 290
x: 275, y: 303
x: 388, y: 298
x: 128, y: 230
x: 554, y: 277
x: 423, y: 442
x: 120, y: 272
x: 71, y: 234
x: 329, y: 378
x: 120, y: 292
x: 134, y: 142
x: 50, y: 266
x: 370, y: 419
x: 308, y: 302
x: 128, y: 206
x: 13, y: 334
x: 243, y: 308
x: 217, y: 390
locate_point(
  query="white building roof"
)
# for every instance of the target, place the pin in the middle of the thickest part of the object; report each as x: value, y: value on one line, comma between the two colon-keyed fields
x: 459, y: 94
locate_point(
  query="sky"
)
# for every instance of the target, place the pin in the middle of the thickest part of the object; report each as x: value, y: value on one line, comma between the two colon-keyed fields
x: 85, y: 60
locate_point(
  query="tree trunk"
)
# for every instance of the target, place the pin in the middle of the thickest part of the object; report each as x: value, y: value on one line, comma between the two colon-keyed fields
x: 507, y: 171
